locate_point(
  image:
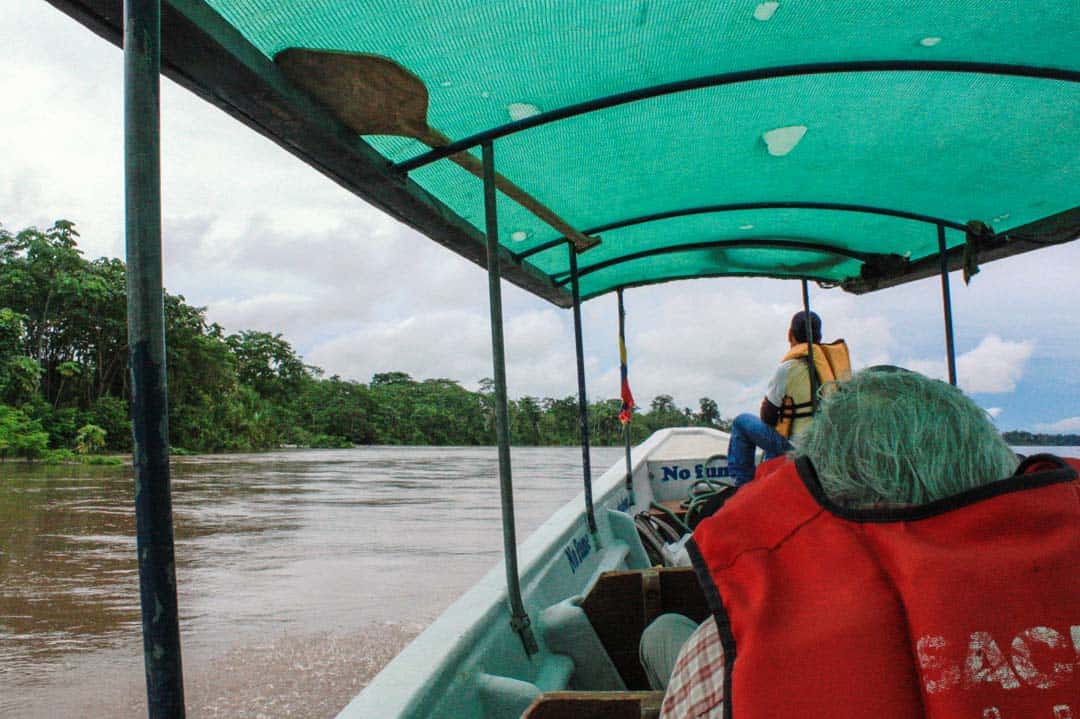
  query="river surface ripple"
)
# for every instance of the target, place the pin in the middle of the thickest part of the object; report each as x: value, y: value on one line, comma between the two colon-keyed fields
x: 300, y: 572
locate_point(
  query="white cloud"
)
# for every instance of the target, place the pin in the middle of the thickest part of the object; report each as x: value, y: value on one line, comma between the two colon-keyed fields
x: 438, y: 344
x: 994, y: 412
x: 457, y: 344
x: 994, y: 366
x: 1069, y: 425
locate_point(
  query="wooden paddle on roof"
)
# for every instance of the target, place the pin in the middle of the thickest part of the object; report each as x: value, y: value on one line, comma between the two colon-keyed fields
x: 373, y: 95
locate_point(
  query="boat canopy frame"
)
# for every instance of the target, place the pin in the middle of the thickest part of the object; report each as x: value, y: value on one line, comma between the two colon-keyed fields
x: 731, y: 78
x: 208, y: 55
x: 205, y: 52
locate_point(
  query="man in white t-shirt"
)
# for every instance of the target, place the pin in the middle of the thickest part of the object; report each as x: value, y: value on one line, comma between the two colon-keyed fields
x: 748, y: 432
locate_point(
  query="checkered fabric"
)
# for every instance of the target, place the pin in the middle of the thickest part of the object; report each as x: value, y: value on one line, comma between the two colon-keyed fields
x: 696, y: 688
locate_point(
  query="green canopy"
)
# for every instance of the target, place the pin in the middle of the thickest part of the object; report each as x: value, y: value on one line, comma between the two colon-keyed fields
x: 823, y: 140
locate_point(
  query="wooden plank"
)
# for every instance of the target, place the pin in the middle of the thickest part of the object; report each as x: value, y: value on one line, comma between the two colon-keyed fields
x: 616, y: 609
x: 595, y: 705
x: 673, y: 505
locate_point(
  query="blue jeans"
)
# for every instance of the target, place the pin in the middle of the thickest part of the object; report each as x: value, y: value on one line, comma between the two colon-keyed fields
x: 748, y: 433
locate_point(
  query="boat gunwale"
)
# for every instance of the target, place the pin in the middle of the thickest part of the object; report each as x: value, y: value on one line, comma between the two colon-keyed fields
x: 437, y: 653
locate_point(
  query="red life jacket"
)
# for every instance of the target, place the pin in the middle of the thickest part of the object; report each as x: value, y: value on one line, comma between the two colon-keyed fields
x: 968, y: 607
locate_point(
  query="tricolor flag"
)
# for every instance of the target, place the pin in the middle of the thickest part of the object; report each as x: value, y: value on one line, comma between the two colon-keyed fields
x: 627, y: 410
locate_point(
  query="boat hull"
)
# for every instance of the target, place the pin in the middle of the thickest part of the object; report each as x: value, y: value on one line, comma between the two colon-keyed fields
x: 471, y: 663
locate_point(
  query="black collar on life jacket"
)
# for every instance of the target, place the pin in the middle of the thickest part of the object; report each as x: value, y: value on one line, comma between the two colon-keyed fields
x: 1020, y: 481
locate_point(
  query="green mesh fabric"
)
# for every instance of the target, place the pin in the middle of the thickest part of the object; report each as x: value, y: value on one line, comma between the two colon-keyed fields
x: 956, y: 146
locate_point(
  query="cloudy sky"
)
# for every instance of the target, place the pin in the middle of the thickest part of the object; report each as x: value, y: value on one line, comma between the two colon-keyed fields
x: 264, y: 242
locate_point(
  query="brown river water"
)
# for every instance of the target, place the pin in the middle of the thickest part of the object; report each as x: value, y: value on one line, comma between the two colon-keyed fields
x: 301, y: 573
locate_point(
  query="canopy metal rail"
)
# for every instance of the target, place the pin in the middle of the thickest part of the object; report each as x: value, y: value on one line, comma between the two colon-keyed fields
x: 732, y: 78
x: 946, y: 304
x: 146, y: 351
x: 561, y: 279
x: 583, y: 402
x: 519, y: 618
x: 743, y: 206
x: 810, y: 368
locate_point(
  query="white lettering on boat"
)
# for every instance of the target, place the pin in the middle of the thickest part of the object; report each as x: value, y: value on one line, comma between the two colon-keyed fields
x: 712, y: 472
x: 676, y: 472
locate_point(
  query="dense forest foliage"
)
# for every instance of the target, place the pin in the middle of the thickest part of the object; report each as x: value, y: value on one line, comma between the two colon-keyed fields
x: 1019, y: 438
x: 64, y: 379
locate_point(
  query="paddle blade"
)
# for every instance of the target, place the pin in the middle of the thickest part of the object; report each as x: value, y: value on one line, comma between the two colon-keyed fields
x: 371, y: 94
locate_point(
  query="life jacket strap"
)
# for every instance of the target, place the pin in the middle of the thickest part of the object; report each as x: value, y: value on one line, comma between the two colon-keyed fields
x: 792, y: 410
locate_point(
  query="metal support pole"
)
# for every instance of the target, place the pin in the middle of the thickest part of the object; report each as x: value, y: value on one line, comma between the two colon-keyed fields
x: 946, y: 300
x: 519, y: 619
x: 146, y: 357
x: 622, y: 373
x: 810, y: 346
x: 583, y: 403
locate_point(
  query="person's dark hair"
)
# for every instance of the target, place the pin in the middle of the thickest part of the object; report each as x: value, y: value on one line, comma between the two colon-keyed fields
x: 798, y: 326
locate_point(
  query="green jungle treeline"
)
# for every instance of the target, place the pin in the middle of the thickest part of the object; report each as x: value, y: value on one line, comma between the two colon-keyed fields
x: 64, y: 380
x: 1019, y: 438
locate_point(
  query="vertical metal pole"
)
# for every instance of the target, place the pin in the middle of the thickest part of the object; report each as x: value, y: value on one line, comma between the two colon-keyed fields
x: 626, y: 426
x: 946, y: 300
x: 519, y: 619
x: 146, y: 357
x: 810, y: 346
x: 583, y: 403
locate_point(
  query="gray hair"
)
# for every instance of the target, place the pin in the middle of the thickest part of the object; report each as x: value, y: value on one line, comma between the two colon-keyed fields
x: 894, y: 436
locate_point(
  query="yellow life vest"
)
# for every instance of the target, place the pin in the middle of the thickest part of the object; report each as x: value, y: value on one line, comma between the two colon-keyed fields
x: 831, y: 363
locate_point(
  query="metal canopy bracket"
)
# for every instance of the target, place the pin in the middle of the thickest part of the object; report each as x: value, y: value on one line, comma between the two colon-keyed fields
x: 519, y: 619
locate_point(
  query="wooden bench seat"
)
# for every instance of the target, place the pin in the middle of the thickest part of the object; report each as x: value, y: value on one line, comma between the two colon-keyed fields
x: 621, y: 604
x: 595, y: 705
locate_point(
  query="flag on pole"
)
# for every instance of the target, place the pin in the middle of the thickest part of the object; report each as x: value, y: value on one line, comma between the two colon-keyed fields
x: 627, y: 411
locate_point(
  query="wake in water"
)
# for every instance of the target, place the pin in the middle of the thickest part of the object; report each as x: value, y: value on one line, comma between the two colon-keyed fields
x: 299, y: 676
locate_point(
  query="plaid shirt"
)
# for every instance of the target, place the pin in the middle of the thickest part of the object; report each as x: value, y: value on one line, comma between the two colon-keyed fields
x: 696, y: 688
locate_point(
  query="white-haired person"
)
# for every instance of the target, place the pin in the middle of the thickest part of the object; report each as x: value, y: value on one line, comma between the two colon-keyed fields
x: 900, y: 562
